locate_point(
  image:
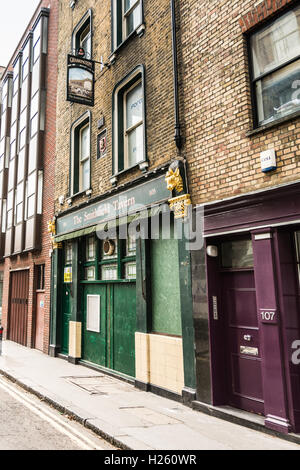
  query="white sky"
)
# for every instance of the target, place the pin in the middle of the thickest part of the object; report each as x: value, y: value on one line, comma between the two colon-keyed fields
x: 14, y: 18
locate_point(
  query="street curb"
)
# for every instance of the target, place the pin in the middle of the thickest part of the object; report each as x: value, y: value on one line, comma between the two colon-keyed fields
x: 66, y: 411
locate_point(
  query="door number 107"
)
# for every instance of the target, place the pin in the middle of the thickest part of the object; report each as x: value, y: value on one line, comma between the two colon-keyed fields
x: 268, y: 316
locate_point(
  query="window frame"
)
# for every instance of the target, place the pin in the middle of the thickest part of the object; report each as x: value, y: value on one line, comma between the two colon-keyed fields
x: 75, y: 154
x: 133, y: 79
x: 80, y: 28
x: 119, y: 24
x: 253, y: 81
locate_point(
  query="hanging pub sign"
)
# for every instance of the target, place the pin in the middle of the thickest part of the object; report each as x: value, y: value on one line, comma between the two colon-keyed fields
x: 80, y: 86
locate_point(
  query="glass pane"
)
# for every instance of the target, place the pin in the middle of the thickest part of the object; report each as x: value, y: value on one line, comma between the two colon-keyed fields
x: 84, y: 143
x: 133, y: 20
x: 277, y: 43
x: 109, y: 272
x: 130, y: 270
x: 19, y: 213
x: 134, y: 106
x: 85, y: 41
x: 90, y: 273
x: 129, y: 4
x: 34, y: 125
x: 68, y: 253
x: 36, y: 50
x: 90, y: 249
x: 279, y: 93
x: 131, y: 245
x: 35, y: 81
x: 21, y: 162
x: 237, y: 254
x: 135, y: 146
x: 85, y: 175
x: 31, y: 206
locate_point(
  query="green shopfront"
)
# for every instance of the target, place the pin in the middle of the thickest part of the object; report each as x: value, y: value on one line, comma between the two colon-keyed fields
x: 121, y: 290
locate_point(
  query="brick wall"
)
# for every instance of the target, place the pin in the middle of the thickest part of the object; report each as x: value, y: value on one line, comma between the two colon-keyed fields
x: 154, y: 50
x: 42, y: 257
x: 223, y: 160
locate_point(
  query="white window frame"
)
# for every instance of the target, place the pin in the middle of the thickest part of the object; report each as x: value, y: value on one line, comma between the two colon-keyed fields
x: 78, y: 126
x: 126, y: 14
x: 133, y: 79
x: 129, y: 130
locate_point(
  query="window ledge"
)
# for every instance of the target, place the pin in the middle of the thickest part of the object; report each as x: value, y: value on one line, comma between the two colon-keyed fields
x: 86, y: 192
x: 273, y: 124
x: 139, y: 31
x: 143, y: 166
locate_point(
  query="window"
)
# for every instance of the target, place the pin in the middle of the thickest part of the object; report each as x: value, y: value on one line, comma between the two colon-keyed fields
x: 82, y: 35
x: 275, y: 54
x: 81, y: 155
x: 237, y: 254
x: 127, y: 17
x: 109, y: 260
x: 40, y: 277
x: 129, y: 122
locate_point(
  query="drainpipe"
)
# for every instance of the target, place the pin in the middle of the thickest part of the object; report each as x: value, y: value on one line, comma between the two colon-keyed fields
x: 177, y: 138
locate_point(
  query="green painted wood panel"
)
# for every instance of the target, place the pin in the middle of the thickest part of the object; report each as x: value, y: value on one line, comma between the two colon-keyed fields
x: 94, y: 345
x: 165, y: 288
x: 66, y: 317
x: 123, y: 328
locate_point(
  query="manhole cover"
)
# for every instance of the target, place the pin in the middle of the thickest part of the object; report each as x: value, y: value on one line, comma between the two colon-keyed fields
x: 100, y: 384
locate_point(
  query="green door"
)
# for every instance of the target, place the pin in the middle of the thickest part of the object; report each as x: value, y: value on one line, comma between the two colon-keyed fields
x: 94, y: 336
x: 66, y: 317
x: 123, y: 328
x: 112, y: 344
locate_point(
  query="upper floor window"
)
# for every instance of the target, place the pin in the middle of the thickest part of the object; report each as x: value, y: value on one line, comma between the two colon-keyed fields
x: 82, y: 35
x: 275, y: 52
x: 80, y: 155
x: 129, y: 122
x: 127, y: 17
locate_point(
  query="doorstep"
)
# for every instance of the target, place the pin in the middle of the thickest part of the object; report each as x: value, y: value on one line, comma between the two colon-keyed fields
x: 243, y: 418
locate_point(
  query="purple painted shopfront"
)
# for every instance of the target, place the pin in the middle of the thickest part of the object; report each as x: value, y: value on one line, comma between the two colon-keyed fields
x: 253, y: 289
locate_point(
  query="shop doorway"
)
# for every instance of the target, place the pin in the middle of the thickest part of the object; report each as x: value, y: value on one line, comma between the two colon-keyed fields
x: 18, y: 307
x: 241, y: 333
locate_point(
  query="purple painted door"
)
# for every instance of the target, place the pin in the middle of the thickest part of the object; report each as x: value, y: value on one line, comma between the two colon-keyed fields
x: 242, y: 342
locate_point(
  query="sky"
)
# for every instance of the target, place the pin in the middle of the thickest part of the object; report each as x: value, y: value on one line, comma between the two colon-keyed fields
x: 14, y: 18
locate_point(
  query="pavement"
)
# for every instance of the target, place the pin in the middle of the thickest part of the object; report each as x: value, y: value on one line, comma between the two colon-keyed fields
x: 127, y: 417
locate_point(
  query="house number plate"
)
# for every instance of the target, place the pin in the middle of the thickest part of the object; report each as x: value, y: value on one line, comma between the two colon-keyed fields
x: 249, y: 351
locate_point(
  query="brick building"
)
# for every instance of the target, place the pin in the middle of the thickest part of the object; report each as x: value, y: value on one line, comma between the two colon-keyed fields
x: 27, y: 156
x: 240, y: 81
x: 120, y: 304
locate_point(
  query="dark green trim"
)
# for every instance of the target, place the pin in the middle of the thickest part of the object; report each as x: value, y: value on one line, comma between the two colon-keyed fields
x: 76, y: 308
x: 188, y: 333
x: 56, y: 286
x: 143, y: 287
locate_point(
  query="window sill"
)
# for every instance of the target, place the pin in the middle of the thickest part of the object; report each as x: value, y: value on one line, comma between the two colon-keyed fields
x: 139, y: 31
x: 143, y: 166
x: 86, y: 192
x: 273, y: 124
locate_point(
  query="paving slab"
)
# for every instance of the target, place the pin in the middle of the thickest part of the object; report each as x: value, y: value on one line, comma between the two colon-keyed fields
x: 128, y: 417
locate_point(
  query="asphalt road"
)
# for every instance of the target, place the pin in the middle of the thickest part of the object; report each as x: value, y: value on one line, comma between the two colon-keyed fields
x: 26, y: 423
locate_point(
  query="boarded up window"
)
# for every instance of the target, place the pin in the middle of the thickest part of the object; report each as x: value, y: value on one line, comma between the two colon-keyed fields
x: 93, y: 313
